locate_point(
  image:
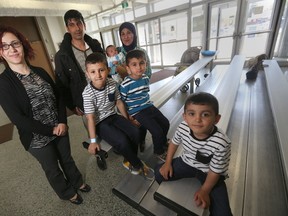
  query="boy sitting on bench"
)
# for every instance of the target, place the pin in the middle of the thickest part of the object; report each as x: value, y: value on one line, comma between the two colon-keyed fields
x: 206, y: 153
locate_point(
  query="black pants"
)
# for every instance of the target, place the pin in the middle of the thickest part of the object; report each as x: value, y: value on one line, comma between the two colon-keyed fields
x: 122, y: 135
x: 157, y: 124
x: 64, y: 181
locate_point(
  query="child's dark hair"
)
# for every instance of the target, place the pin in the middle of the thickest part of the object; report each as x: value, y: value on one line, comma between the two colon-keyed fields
x: 135, y: 54
x: 73, y: 14
x: 202, y: 98
x: 96, y: 57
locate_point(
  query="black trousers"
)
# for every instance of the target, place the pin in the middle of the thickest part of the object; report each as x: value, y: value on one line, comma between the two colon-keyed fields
x: 59, y: 167
x: 122, y: 135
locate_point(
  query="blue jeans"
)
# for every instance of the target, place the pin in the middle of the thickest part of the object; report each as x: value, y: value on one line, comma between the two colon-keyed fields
x: 157, y: 124
x: 218, y: 196
x: 122, y: 135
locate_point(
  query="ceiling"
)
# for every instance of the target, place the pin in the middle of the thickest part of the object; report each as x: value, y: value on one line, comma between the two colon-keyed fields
x: 53, y: 7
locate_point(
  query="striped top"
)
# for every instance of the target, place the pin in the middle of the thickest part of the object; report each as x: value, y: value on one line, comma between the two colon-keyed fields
x: 43, y: 104
x: 101, y: 101
x: 214, y: 152
x: 135, y: 94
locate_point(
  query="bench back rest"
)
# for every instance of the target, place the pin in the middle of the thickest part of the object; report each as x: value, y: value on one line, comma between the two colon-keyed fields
x: 162, y: 95
x: 277, y: 88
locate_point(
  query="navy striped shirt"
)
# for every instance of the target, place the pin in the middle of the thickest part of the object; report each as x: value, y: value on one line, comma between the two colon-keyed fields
x: 217, y: 146
x: 135, y: 94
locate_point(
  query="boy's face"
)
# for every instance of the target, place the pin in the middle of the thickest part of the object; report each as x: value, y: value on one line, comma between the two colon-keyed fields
x: 111, y: 51
x: 97, y: 73
x: 200, y: 119
x: 136, y: 67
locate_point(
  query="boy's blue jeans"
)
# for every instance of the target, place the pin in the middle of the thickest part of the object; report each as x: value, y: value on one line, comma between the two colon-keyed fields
x: 218, y: 197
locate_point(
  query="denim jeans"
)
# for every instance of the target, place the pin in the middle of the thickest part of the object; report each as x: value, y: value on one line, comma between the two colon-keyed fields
x: 218, y: 196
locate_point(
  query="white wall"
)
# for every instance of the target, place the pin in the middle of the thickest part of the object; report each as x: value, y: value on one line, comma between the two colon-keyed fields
x: 52, y: 30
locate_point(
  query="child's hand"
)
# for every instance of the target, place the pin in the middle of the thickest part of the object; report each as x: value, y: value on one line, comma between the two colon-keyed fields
x: 115, y: 62
x: 166, y: 171
x: 93, y: 148
x: 202, y: 198
x: 134, y: 121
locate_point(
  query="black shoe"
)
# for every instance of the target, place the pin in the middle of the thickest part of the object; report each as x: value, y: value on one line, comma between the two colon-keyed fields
x: 101, y: 162
x: 100, y: 156
x: 77, y: 201
x: 86, y: 189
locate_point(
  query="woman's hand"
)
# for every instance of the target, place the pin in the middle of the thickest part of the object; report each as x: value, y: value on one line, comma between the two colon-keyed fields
x: 60, y: 130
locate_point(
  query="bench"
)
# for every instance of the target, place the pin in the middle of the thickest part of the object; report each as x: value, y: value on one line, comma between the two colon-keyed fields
x: 277, y: 88
x: 178, y: 195
x: 135, y: 190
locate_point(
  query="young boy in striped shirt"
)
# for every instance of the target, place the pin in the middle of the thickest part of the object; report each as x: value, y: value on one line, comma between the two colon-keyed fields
x: 135, y: 93
x: 206, y: 153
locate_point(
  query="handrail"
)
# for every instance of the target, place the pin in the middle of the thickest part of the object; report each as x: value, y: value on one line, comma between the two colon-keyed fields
x: 161, y: 96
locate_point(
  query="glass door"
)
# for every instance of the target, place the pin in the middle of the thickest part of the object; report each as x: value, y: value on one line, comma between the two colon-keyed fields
x: 249, y: 34
x: 222, y: 20
x: 256, y: 27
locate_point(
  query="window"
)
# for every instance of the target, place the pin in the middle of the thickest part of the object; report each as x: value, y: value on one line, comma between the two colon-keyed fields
x: 148, y: 32
x: 198, y: 25
x: 166, y: 4
x: 107, y: 39
x: 91, y: 24
x: 174, y: 27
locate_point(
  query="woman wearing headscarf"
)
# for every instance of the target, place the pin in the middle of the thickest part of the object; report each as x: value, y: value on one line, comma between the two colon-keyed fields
x: 128, y: 38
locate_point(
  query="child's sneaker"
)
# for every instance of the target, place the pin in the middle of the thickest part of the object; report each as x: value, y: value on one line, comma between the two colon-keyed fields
x: 126, y: 164
x: 129, y: 167
x: 146, y: 172
x: 162, y: 156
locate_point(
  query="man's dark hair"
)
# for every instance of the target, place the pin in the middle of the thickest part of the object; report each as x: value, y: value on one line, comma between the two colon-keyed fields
x: 73, y: 14
x: 135, y: 54
x: 202, y: 98
x: 96, y: 57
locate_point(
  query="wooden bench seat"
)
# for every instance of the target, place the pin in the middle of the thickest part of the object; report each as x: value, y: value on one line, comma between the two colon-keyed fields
x: 168, y: 193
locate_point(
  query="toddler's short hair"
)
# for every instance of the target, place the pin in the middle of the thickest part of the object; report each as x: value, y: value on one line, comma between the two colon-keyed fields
x: 202, y: 98
x: 96, y: 57
x: 135, y: 54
